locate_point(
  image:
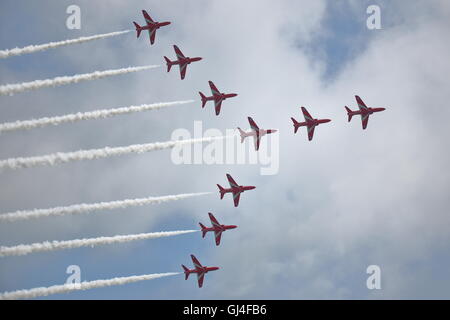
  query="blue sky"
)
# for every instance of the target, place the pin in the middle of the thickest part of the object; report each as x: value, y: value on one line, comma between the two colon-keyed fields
x: 348, y: 199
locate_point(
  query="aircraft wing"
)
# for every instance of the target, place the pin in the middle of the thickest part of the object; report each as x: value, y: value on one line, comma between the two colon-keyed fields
x: 214, y: 221
x: 178, y: 52
x: 231, y: 181
x: 147, y: 18
x: 183, y: 70
x: 214, y: 90
x: 310, y: 132
x: 365, y: 120
x: 196, y: 263
x: 256, y: 140
x: 361, y: 104
x: 200, y: 278
x: 152, y: 34
x: 218, y: 235
x: 306, y: 114
x: 236, y: 197
x: 253, y: 124
x: 218, y: 105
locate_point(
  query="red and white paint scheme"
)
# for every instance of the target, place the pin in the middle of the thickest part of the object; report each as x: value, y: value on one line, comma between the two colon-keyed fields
x: 235, y: 189
x: 256, y: 132
x: 364, y: 111
x: 151, y: 26
x: 217, y: 97
x: 217, y: 228
x: 310, y: 123
x: 198, y: 269
x: 182, y: 61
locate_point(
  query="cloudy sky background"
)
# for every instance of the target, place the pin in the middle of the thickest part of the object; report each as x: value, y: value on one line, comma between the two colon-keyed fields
x: 346, y: 200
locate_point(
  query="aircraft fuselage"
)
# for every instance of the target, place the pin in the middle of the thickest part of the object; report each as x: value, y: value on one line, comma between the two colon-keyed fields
x: 186, y: 60
x: 365, y: 111
x: 224, y: 96
x: 202, y: 270
x: 261, y: 132
x: 238, y: 189
x: 313, y: 122
x: 155, y: 25
x: 220, y: 97
x: 222, y: 228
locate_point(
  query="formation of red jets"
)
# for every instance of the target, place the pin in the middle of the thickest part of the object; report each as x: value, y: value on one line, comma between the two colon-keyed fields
x: 218, y: 97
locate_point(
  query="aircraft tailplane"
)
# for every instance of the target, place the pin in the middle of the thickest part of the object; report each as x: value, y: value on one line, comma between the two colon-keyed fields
x: 203, y: 99
x: 296, y: 125
x: 203, y: 230
x: 169, y: 63
x: 186, y: 272
x: 138, y: 29
x: 242, y: 134
x: 222, y: 191
x: 349, y: 113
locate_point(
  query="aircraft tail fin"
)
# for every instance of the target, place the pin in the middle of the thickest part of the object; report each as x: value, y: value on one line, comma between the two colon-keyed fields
x: 138, y: 29
x: 349, y: 113
x: 222, y: 191
x: 203, y: 99
x: 242, y: 133
x: 296, y: 125
x: 169, y: 63
x: 203, y: 230
x: 186, y: 272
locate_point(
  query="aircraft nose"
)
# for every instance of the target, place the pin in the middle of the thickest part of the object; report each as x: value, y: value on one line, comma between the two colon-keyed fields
x: 327, y: 120
x: 233, y: 227
x: 251, y: 187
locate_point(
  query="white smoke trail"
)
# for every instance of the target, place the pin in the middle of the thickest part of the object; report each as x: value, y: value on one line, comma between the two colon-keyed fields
x: 86, y: 208
x: 60, y: 157
x: 10, y: 89
x: 85, y: 285
x: 50, y: 45
x: 96, y: 114
x: 24, y: 249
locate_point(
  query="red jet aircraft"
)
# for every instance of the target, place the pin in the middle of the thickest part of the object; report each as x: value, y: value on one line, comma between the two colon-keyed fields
x: 310, y: 123
x: 256, y: 132
x: 235, y: 189
x: 151, y: 26
x: 182, y: 61
x: 364, y: 111
x: 216, y: 227
x: 217, y: 97
x: 198, y: 269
